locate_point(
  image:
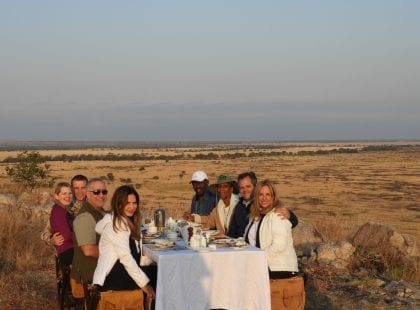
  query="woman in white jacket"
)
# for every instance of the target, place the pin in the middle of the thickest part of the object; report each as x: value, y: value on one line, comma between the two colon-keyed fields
x: 273, y: 234
x: 119, y: 253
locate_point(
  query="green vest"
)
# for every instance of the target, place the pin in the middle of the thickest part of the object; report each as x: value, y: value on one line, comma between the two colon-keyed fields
x: 84, y: 266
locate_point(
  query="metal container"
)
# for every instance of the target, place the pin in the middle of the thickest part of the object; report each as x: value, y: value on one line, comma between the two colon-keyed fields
x: 160, y: 219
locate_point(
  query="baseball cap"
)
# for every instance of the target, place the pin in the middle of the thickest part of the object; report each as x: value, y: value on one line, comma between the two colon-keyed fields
x: 199, y: 176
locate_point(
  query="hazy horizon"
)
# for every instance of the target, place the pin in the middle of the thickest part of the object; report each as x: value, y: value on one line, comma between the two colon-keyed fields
x: 210, y: 71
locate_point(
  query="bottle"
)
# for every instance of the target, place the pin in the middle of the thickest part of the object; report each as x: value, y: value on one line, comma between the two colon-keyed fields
x: 203, y: 241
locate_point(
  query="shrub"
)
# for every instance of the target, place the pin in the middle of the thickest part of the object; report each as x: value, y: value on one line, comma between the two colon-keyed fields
x: 30, y: 171
x: 110, y: 176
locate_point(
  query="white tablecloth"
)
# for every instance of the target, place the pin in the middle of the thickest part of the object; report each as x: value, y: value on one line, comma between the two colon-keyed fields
x: 225, y: 278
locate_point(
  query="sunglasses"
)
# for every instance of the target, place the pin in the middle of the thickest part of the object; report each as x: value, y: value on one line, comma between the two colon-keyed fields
x: 96, y: 192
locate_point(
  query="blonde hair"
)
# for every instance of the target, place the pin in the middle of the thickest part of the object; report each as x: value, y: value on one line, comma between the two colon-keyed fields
x: 256, y: 208
x: 58, y: 188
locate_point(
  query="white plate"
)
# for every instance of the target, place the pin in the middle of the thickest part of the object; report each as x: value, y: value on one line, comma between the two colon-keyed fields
x: 162, y: 243
x: 151, y: 236
x: 210, y: 232
x: 224, y: 241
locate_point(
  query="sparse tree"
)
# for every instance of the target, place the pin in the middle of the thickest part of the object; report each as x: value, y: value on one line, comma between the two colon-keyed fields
x: 30, y: 171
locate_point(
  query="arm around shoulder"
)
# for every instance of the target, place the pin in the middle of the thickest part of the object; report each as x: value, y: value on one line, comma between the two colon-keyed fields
x: 293, y: 219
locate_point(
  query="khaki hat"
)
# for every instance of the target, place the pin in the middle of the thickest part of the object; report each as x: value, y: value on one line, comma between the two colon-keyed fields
x: 222, y: 179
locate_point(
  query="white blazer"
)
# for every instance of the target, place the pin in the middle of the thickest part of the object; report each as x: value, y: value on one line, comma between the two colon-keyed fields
x: 114, y: 245
x: 276, y: 240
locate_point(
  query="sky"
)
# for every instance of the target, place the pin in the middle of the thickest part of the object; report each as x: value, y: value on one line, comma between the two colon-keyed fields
x: 209, y: 70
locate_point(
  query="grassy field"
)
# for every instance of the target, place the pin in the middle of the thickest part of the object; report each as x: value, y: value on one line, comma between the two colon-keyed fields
x: 347, y: 188
x: 335, y: 192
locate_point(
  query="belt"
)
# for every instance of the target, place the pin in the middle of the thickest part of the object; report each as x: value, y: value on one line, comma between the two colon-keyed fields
x: 282, y: 274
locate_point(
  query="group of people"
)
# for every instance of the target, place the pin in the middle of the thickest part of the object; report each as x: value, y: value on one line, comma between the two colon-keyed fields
x: 101, y: 248
x: 105, y: 248
x: 251, y: 209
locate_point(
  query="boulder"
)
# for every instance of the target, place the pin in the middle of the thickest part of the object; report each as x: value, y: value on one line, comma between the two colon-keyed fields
x: 305, y: 238
x: 373, y: 236
x: 336, y: 254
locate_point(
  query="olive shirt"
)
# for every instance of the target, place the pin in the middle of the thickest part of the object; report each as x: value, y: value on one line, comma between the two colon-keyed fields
x: 84, y: 234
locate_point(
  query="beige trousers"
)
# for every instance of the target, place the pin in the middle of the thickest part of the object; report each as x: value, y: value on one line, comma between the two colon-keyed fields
x: 287, y: 293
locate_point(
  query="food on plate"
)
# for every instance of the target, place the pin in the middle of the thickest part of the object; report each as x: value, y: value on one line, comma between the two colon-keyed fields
x: 240, y: 243
x: 210, y: 232
x: 224, y: 241
x: 162, y: 243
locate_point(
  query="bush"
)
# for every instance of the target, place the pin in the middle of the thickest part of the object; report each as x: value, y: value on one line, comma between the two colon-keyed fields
x: 31, y: 171
x: 110, y: 176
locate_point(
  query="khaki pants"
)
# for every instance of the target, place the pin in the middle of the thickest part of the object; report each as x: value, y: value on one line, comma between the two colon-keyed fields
x: 121, y: 300
x: 287, y: 293
x: 76, y: 289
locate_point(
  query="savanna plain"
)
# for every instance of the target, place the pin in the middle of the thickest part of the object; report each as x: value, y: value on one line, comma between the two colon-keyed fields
x: 337, y: 192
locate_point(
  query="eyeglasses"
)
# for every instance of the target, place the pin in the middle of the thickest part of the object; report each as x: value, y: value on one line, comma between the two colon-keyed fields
x: 96, y: 192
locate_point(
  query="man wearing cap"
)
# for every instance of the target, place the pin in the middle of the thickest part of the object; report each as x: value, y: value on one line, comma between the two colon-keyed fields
x: 220, y: 217
x: 204, y: 199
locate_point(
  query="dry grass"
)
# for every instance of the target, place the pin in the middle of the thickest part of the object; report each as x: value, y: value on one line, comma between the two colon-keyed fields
x: 336, y: 192
x: 26, y: 265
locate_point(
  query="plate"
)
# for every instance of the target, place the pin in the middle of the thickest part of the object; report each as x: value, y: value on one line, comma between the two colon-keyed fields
x: 164, y: 244
x: 224, y: 241
x: 210, y: 232
x: 151, y: 236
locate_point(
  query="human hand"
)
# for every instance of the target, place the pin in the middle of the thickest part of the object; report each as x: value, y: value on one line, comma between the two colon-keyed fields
x: 150, y: 292
x: 282, y: 212
x: 57, y: 239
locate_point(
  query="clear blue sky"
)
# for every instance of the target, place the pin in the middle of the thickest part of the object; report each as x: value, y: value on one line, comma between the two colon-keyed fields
x: 209, y: 70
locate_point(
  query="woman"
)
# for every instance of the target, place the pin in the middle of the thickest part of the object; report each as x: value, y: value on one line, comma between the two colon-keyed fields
x: 269, y: 232
x: 119, y: 253
x: 61, y: 222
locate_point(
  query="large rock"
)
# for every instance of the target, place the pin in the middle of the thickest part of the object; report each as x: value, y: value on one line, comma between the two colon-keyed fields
x: 336, y: 254
x: 306, y: 238
x: 373, y: 236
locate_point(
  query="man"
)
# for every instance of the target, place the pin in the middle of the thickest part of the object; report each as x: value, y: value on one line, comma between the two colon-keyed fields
x: 204, y: 199
x: 85, y: 238
x: 240, y: 218
x: 220, y: 217
x: 79, y: 189
x: 78, y: 186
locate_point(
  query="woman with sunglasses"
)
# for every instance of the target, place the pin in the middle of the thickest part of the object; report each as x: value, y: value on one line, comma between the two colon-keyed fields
x: 61, y: 221
x: 269, y: 232
x: 119, y: 251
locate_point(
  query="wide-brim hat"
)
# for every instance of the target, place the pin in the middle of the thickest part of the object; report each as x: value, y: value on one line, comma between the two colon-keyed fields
x: 224, y: 178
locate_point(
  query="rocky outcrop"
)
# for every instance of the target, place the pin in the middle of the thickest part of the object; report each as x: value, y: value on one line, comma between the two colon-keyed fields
x: 350, y: 274
x: 336, y: 254
x: 305, y: 239
x: 373, y: 236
